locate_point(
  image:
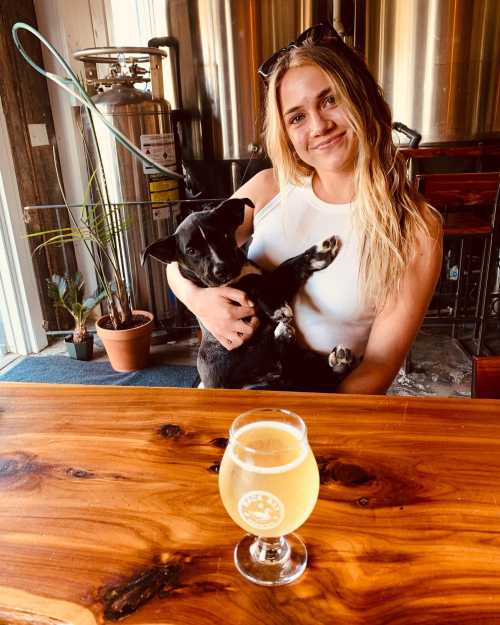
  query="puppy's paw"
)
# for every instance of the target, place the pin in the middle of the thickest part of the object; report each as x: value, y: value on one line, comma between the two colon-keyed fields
x: 284, y: 316
x: 284, y: 313
x: 341, y: 359
x: 324, y: 253
x: 284, y: 331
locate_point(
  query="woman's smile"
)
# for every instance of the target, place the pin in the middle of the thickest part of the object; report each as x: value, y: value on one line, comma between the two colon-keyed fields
x: 332, y: 141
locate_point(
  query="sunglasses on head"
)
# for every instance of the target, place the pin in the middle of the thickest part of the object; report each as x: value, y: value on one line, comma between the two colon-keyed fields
x: 320, y: 34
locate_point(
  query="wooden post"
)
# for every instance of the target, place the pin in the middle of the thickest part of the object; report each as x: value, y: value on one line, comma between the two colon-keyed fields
x: 25, y: 101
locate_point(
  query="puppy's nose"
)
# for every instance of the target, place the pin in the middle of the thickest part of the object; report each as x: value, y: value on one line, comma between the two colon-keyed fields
x: 219, y: 271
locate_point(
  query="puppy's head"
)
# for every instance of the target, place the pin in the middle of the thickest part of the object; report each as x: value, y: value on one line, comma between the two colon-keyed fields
x: 204, y: 244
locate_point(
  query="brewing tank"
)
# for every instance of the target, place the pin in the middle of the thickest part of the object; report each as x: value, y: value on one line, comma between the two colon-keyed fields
x: 136, y: 189
x: 438, y: 62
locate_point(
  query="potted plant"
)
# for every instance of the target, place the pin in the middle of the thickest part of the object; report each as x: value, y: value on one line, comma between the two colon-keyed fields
x: 125, y: 333
x: 67, y: 292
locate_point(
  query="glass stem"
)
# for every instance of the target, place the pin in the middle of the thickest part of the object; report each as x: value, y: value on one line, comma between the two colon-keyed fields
x: 272, y: 550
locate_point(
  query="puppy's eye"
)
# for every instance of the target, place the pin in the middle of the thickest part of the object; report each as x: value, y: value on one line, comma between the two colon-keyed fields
x: 190, y: 251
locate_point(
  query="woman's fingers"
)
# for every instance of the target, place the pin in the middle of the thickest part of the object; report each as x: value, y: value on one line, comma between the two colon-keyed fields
x: 235, y: 295
x: 235, y: 313
x: 244, y: 331
x: 225, y: 342
x: 230, y: 342
x: 246, y: 328
x: 253, y: 322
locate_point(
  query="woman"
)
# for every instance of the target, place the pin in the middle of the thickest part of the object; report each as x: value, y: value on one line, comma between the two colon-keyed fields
x: 328, y: 133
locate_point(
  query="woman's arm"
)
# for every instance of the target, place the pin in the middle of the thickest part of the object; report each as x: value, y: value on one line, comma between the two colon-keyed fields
x: 222, y: 309
x: 396, y: 325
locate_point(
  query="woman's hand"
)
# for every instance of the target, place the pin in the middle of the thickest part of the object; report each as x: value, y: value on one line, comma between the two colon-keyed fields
x: 222, y: 311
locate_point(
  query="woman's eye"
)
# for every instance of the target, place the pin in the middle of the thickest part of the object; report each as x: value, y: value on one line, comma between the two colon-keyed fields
x: 329, y: 100
x: 296, y: 119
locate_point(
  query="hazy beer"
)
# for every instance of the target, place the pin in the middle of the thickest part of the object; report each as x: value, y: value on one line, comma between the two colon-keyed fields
x: 268, y: 478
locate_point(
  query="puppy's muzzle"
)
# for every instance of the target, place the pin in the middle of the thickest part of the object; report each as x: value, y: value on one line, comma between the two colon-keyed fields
x: 220, y: 272
x: 223, y: 274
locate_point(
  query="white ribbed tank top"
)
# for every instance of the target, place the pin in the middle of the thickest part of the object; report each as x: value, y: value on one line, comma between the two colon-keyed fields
x: 329, y: 308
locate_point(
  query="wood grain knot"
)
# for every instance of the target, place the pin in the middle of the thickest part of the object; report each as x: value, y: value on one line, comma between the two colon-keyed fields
x: 124, y: 599
x: 79, y: 473
x: 386, y: 557
x: 8, y: 467
x: 221, y: 442
x: 376, y: 484
x: 342, y: 472
x: 22, y: 469
x: 170, y: 430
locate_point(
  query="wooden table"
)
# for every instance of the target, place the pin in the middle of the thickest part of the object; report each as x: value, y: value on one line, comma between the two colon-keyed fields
x: 109, y: 509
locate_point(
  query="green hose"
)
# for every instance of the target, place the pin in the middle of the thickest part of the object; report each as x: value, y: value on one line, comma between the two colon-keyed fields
x: 70, y: 83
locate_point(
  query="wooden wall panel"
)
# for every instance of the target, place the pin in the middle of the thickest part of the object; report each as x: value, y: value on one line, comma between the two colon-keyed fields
x: 25, y: 100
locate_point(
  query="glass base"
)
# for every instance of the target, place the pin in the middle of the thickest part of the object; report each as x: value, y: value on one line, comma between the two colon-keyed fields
x: 271, y: 561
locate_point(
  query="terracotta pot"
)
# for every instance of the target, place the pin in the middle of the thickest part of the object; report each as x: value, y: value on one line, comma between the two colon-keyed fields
x: 127, y: 350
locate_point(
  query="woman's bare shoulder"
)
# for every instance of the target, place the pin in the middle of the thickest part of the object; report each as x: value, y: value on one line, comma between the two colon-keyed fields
x: 434, y: 223
x: 432, y: 218
x: 261, y: 188
x: 429, y: 238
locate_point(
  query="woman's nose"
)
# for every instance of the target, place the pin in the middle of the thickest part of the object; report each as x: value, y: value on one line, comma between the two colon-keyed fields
x: 319, y: 123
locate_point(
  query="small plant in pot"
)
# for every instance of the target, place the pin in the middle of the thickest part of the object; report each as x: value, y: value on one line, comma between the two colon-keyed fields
x: 125, y: 333
x: 67, y: 292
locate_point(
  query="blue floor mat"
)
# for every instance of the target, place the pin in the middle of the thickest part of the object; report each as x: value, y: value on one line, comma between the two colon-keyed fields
x: 64, y: 370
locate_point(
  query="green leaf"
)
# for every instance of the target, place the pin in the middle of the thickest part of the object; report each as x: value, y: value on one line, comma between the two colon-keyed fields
x: 47, y: 232
x: 57, y: 287
x: 60, y: 240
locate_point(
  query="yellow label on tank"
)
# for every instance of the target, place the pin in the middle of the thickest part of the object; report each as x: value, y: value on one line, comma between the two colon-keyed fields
x: 162, y: 185
x: 164, y: 196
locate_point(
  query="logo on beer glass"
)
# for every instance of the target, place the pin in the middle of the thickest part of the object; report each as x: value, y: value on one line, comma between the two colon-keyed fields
x: 261, y: 510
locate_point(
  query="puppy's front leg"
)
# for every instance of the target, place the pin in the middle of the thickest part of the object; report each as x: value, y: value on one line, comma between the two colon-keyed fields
x: 285, y: 280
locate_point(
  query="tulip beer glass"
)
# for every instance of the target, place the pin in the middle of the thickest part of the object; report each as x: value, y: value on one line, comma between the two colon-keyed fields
x: 269, y: 483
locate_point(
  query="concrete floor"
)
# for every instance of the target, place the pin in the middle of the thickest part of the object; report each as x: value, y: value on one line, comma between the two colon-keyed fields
x: 439, y: 367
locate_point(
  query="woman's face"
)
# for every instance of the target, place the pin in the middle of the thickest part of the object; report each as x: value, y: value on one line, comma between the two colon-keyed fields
x: 316, y: 125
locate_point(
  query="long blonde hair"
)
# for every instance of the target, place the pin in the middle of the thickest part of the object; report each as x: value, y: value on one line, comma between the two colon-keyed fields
x: 387, y: 209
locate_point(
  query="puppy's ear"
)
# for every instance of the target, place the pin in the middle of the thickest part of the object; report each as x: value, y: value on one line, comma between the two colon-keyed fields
x: 248, y: 202
x: 234, y: 210
x: 164, y: 250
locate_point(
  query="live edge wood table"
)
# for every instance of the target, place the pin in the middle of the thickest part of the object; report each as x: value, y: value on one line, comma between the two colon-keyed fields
x: 109, y: 510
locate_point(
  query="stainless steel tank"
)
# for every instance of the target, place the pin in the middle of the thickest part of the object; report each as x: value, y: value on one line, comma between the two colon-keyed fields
x: 438, y: 62
x: 130, y: 185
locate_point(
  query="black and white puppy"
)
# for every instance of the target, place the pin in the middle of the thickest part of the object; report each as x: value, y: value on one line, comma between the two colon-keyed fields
x: 205, y: 249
